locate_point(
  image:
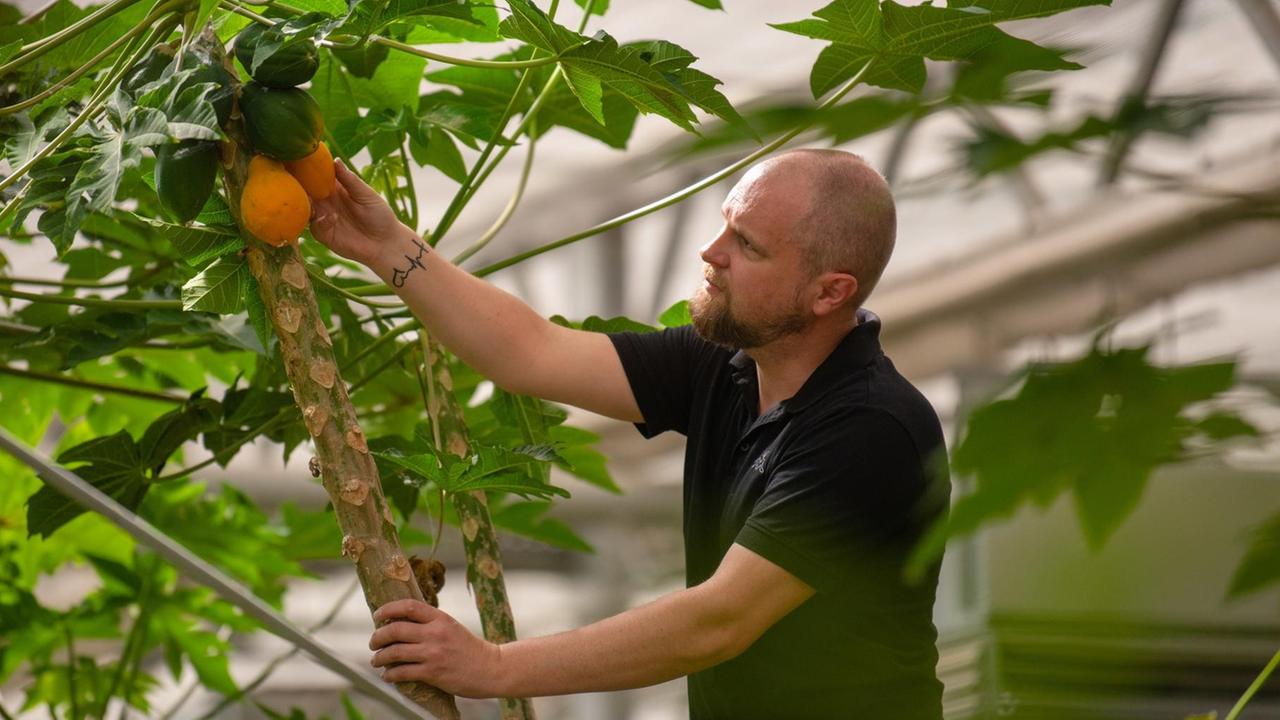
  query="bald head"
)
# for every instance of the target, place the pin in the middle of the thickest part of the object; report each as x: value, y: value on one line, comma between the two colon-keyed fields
x: 851, y: 223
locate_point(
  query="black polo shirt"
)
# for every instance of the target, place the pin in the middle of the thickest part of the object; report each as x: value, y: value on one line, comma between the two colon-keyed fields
x: 835, y: 485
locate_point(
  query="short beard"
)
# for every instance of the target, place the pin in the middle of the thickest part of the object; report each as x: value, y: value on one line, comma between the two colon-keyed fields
x: 714, y: 321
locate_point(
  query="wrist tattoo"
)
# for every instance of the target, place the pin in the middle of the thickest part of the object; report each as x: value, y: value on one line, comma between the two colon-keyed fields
x: 398, y: 276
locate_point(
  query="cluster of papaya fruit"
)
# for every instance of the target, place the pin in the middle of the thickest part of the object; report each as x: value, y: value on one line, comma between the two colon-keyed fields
x: 283, y: 124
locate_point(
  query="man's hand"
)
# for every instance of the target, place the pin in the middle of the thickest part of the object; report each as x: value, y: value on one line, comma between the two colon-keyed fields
x: 425, y: 644
x: 354, y: 221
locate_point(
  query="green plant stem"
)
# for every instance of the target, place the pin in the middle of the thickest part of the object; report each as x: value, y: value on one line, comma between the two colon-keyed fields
x: 339, y: 42
x: 91, y: 385
x: 395, y: 357
x: 92, y: 302
x: 507, y: 211
x: 96, y: 100
x: 1255, y: 687
x: 525, y: 122
x: 412, y: 192
x: 323, y: 280
x: 35, y: 49
x: 71, y: 669
x: 144, y: 600
x: 682, y: 194
x: 278, y: 660
x: 385, y: 338
x: 95, y: 284
x: 75, y: 75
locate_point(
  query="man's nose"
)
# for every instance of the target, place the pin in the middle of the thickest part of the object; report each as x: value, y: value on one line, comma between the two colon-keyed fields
x: 713, y: 252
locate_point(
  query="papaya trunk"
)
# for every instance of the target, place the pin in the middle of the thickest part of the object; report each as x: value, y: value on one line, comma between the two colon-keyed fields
x: 348, y: 471
x: 484, y: 557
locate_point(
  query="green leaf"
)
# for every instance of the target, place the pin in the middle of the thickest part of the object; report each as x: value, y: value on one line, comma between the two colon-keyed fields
x: 898, y: 39
x: 529, y: 24
x: 257, y: 314
x: 526, y: 518
x: 219, y: 288
x: 675, y: 316
x: 1260, y: 567
x: 1096, y: 427
x: 113, y: 466
x: 353, y: 713
x: 600, y: 63
x: 197, y: 244
x: 169, y: 431
x: 367, y: 17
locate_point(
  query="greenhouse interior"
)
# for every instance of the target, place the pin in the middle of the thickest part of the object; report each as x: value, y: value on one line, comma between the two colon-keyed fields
x: 1133, y: 203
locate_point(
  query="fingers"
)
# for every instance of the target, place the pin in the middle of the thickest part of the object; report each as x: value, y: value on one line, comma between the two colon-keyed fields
x: 414, y: 610
x: 396, y: 654
x: 413, y: 672
x: 350, y: 181
x: 396, y: 632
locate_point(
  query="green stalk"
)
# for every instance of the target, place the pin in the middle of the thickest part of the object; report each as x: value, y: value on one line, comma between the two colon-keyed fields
x: 507, y: 212
x: 395, y: 357
x: 412, y: 192
x: 1255, y: 687
x: 679, y: 195
x: 91, y: 385
x: 71, y: 669
x: 144, y: 601
x: 96, y: 100
x: 93, y: 302
x: 35, y: 49
x: 383, y: 339
x: 94, y: 284
x: 92, y: 63
x: 322, y: 279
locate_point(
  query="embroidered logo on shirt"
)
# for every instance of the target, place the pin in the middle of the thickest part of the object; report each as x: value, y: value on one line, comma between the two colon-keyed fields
x: 758, y: 465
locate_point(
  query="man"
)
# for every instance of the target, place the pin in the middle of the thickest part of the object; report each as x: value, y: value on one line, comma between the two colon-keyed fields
x: 809, y: 475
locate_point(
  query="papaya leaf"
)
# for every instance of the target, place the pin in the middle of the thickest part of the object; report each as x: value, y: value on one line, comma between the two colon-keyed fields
x: 899, y: 39
x: 527, y: 518
x: 112, y: 465
x: 169, y: 431
x: 1096, y: 427
x: 219, y: 288
x: 581, y: 459
x: 675, y: 316
x: 529, y: 24
x: 367, y: 17
x: 1260, y: 567
x: 196, y: 244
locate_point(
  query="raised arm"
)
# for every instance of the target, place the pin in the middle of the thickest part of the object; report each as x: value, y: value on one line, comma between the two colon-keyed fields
x: 489, y: 329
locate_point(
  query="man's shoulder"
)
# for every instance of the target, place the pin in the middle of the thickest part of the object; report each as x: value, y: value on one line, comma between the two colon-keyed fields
x: 883, y: 398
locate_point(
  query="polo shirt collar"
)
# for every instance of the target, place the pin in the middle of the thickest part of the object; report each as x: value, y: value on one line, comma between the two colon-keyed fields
x: 855, y: 351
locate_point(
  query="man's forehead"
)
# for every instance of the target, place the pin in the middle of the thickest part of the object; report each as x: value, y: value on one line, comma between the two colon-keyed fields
x: 767, y: 200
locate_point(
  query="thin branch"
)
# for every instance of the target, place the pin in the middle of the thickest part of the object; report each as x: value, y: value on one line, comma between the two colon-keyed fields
x: 91, y: 385
x: 91, y: 64
x: 125, y: 304
x: 35, y: 49
x: 1253, y: 688
x: 323, y: 280
x: 507, y: 211
x: 684, y: 193
x: 73, y: 283
x: 395, y: 357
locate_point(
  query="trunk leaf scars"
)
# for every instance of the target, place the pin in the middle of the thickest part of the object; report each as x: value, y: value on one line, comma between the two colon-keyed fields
x: 288, y: 316
x: 313, y: 465
x: 315, y: 417
x: 398, y: 569
x: 294, y: 274
x: 352, y: 547
x: 446, y: 378
x: 323, y: 373
x: 386, y: 515
x: 323, y: 333
x: 488, y: 567
x: 356, y: 441
x: 470, y: 528
x: 354, y: 491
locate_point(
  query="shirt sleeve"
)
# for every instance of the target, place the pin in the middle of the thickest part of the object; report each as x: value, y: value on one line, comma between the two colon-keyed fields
x: 842, y: 513
x: 661, y: 368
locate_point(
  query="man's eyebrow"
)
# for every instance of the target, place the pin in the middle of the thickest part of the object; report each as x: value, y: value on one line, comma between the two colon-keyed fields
x: 737, y: 228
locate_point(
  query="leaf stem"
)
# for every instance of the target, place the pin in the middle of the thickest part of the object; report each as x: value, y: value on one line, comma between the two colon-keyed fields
x: 507, y: 211
x: 92, y: 302
x: 684, y: 193
x: 1255, y: 687
x: 93, y: 62
x: 95, y: 101
x: 73, y: 283
x: 412, y: 192
x: 395, y: 357
x: 322, y: 280
x: 92, y: 385
x: 71, y: 669
x: 35, y: 49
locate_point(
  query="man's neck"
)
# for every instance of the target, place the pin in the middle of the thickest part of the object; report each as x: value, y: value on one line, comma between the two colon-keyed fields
x: 783, y: 366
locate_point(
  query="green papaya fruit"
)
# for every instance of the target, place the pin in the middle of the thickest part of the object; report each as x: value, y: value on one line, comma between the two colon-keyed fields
x: 185, y: 173
x: 208, y: 71
x: 288, y: 63
x: 362, y: 61
x: 285, y: 124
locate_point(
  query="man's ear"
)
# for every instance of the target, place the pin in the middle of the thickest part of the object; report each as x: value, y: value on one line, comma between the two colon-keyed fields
x: 835, y: 290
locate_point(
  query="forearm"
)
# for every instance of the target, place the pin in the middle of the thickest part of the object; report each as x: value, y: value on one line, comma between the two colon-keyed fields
x: 673, y: 636
x: 489, y: 329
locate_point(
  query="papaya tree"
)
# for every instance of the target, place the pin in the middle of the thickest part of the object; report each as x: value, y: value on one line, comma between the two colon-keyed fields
x: 168, y: 153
